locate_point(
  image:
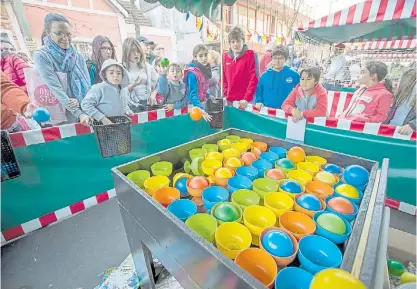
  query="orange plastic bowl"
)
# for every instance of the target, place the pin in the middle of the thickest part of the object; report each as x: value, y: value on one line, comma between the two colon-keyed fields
x: 309, y: 213
x: 197, y: 191
x: 260, y: 145
x: 297, y: 223
x: 259, y: 264
x: 281, y: 261
x: 166, y: 196
x: 320, y: 189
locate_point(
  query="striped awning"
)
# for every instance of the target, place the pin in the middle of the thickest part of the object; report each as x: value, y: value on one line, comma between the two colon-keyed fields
x: 379, y: 45
x: 371, y: 20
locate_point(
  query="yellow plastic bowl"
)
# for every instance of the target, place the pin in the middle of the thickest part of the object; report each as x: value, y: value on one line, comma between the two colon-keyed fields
x: 221, y: 180
x: 209, y: 166
x: 300, y: 176
x: 231, y: 153
x: 241, y: 147
x: 326, y: 177
x: 247, y: 141
x: 232, y: 238
x: 310, y: 168
x: 316, y: 160
x: 278, y: 203
x: 257, y: 218
x: 214, y: 156
x: 155, y: 183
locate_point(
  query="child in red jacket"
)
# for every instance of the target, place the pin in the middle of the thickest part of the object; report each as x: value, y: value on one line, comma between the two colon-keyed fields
x: 240, y: 70
x: 309, y: 98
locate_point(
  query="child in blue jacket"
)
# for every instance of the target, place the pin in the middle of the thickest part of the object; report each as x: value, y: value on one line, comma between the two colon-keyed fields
x: 277, y: 82
x: 172, y: 88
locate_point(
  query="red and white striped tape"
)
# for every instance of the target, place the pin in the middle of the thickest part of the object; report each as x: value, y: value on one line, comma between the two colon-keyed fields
x: 401, y: 206
x: 54, y: 217
x: 397, y: 44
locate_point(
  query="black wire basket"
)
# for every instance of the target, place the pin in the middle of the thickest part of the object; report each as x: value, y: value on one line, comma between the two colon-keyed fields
x: 214, y: 104
x: 9, y: 165
x: 217, y: 119
x: 113, y: 139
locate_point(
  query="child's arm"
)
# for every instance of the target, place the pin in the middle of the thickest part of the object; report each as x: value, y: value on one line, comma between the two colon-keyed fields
x: 163, y: 87
x: 253, y: 80
x: 289, y: 103
x: 192, y: 90
x: 90, y: 102
x: 380, y: 114
x: 225, y: 84
x: 259, y: 96
x: 321, y: 106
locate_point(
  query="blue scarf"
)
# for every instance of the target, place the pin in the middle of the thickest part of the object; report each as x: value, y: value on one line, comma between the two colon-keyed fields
x: 67, y: 60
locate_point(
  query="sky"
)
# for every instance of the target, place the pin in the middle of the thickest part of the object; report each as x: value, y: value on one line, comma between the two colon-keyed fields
x: 321, y: 7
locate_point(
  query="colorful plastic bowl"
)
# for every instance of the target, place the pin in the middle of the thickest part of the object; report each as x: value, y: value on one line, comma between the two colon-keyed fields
x: 197, y: 153
x: 222, y: 175
x: 279, y: 203
x: 316, y: 253
x: 258, y: 218
x: 309, y: 167
x: 224, y: 144
x: 210, y: 148
x: 247, y: 141
x: 230, y: 153
x: 232, y: 238
x: 269, y: 156
x: 260, y: 145
x: 297, y: 223
x: 139, y: 177
x: 213, y: 195
x: 204, y: 225
x: 196, y: 166
x: 247, y: 171
x: 196, y: 185
x: 281, y: 261
x: 326, y: 177
x: 320, y: 161
x: 261, y: 165
x: 347, y: 217
x: 233, y: 138
x: 259, y: 264
x: 332, y: 168
x: 166, y: 196
x: 241, y: 147
x: 293, y: 278
x: 280, y: 151
x: 155, y: 183
x: 214, y: 156
x: 263, y: 186
x: 320, y: 189
x: 335, y: 238
x: 348, y: 187
x: 300, y: 176
x: 209, y: 166
x: 239, y: 182
x: 182, y: 209
x: 356, y: 175
x: 275, y: 174
x: 226, y: 212
x: 233, y: 163
x: 162, y: 169
x: 245, y: 198
x: 284, y: 164
x: 291, y: 187
x: 248, y: 158
x: 302, y: 209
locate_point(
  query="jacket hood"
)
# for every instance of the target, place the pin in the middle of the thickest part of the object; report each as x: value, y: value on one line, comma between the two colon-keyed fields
x: 318, y: 89
x: 285, y: 67
x: 111, y: 62
x: 244, y: 49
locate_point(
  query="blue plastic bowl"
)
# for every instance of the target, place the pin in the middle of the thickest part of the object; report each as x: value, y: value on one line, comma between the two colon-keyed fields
x: 247, y: 171
x: 316, y: 253
x: 293, y: 278
x: 281, y: 152
x: 269, y: 156
x: 347, y: 217
x: 332, y: 168
x: 360, y: 188
x: 335, y: 238
x: 356, y: 175
x: 261, y: 165
x: 182, y: 209
x: 356, y: 201
x: 213, y: 195
x: 239, y: 182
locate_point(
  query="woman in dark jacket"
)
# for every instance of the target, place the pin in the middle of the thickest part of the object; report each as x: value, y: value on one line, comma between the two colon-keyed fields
x: 103, y: 49
x: 403, y: 111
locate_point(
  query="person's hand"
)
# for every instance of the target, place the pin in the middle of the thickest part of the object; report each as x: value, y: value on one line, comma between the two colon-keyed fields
x: 206, y: 116
x: 296, y: 115
x: 129, y: 112
x: 73, y: 103
x: 169, y: 107
x: 405, y: 129
x: 106, y: 121
x: 29, y: 109
x: 84, y: 120
x: 152, y: 98
x: 243, y: 104
x: 259, y: 106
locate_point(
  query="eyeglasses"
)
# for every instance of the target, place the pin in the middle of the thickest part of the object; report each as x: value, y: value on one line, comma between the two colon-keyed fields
x: 278, y: 57
x: 62, y: 35
x: 106, y: 49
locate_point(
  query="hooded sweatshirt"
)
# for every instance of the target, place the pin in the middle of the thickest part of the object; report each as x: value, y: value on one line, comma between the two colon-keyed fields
x: 275, y: 86
x: 240, y: 74
x: 106, y: 99
x: 197, y: 85
x: 369, y: 104
x: 314, y: 105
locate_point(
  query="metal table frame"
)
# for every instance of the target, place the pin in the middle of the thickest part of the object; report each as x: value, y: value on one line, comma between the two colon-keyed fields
x: 153, y: 230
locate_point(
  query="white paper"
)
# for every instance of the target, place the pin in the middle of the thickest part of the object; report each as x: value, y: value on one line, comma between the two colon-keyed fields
x: 296, y: 130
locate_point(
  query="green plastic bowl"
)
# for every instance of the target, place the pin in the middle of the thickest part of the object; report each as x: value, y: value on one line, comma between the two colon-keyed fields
x: 197, y: 166
x: 263, y: 186
x: 233, y: 138
x: 197, y: 153
x: 204, y: 225
x: 162, y: 169
x: 139, y: 177
x: 245, y: 198
x: 210, y: 148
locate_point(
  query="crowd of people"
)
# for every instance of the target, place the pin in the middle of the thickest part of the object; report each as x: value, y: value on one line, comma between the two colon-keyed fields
x: 101, y: 86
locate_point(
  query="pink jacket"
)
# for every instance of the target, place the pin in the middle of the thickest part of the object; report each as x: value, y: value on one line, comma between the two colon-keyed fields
x: 314, y: 105
x: 369, y: 104
x: 202, y: 82
x: 13, y: 66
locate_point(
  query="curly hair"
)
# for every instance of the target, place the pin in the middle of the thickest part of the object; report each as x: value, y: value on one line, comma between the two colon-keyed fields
x: 236, y: 34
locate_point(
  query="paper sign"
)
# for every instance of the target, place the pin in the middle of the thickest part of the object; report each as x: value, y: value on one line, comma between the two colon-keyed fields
x: 296, y: 130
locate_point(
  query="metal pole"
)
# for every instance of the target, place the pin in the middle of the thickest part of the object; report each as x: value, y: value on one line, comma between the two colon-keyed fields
x: 222, y: 46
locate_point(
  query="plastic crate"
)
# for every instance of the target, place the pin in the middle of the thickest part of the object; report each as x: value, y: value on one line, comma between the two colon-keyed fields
x: 113, y: 139
x: 9, y: 165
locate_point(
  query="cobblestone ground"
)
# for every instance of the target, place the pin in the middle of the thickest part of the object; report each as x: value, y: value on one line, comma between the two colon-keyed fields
x: 395, y: 281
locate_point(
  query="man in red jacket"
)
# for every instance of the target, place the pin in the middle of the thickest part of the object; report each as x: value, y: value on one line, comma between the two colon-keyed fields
x: 240, y: 70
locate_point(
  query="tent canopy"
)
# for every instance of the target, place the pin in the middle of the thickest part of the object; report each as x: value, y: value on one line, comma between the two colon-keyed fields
x: 381, y: 45
x: 371, y: 20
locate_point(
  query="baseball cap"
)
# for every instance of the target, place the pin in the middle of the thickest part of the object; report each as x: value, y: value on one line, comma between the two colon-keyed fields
x: 144, y: 40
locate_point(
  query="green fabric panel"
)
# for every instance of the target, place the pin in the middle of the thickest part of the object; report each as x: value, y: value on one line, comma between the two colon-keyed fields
x: 63, y: 172
x: 402, y: 154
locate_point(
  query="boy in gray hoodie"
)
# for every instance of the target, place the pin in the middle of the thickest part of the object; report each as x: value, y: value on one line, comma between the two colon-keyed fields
x: 108, y: 98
